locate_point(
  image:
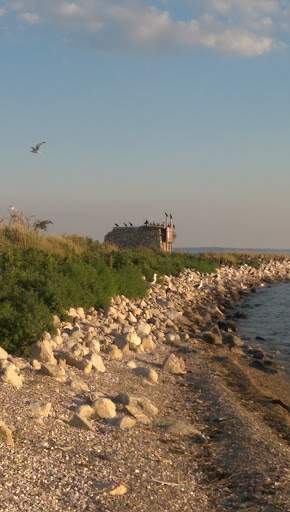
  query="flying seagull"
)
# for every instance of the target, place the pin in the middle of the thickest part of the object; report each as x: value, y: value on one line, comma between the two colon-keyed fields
x: 36, y: 149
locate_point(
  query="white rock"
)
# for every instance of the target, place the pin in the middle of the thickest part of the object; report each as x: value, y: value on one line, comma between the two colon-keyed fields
x: 131, y: 364
x: 125, y: 422
x: 114, y: 352
x: 10, y: 376
x: 40, y: 408
x: 57, y: 340
x: 3, y: 353
x: 148, y: 343
x: 143, y: 329
x: 147, y: 372
x: 81, y: 313
x: 131, y: 318
x: 6, y: 434
x: 36, y: 365
x: 81, y: 422
x: 132, y: 337
x: 85, y: 411
x: 94, y: 346
x: 104, y: 408
x: 42, y: 351
x: 97, y: 362
x: 173, y: 364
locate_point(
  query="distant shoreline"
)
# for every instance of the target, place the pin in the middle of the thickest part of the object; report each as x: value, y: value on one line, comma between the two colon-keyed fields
x: 196, y: 250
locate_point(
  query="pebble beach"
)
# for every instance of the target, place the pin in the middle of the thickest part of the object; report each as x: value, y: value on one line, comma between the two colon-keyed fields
x: 152, y: 404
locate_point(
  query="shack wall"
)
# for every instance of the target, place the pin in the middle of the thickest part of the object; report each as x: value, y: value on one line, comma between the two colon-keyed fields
x: 133, y: 237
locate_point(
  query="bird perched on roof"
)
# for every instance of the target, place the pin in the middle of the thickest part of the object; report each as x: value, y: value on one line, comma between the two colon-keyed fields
x: 117, y: 225
x: 36, y: 149
x: 125, y: 225
x: 131, y: 224
x: 146, y: 222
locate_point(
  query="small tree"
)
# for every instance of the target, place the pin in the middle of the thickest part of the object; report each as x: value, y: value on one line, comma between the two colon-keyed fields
x: 41, y: 224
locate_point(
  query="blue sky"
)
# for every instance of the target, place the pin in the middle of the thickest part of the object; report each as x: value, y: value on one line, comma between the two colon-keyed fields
x: 146, y: 107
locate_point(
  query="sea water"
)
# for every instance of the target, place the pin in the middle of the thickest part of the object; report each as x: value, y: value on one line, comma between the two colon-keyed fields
x: 268, y: 317
x: 268, y: 312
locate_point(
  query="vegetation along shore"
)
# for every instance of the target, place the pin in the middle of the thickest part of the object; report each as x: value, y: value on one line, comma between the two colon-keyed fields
x: 120, y: 394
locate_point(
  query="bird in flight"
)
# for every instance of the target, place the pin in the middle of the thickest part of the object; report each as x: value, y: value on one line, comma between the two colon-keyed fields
x: 36, y: 149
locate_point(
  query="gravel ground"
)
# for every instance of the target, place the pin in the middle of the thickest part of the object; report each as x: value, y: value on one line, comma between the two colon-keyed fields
x: 241, y: 464
x: 237, y: 459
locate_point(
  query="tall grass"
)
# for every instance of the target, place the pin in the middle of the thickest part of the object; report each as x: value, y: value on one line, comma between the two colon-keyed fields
x: 42, y: 275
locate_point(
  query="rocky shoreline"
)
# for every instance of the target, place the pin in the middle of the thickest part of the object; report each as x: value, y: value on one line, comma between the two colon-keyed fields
x: 153, y: 404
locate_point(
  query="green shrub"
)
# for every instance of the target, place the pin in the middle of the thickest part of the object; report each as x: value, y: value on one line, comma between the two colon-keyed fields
x: 42, y: 276
x: 23, y: 319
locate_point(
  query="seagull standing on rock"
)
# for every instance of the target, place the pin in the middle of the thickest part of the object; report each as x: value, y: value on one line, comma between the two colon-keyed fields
x: 153, y: 279
x: 36, y: 149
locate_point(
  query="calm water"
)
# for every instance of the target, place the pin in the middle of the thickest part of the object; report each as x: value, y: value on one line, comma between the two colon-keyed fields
x: 268, y: 312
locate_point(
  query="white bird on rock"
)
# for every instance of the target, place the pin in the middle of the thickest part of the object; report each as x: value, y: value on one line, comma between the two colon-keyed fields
x: 153, y: 279
x: 36, y: 149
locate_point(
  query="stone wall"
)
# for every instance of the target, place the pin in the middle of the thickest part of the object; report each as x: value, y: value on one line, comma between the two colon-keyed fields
x: 132, y: 237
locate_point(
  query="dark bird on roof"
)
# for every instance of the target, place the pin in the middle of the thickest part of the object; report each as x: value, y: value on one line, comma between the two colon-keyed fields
x: 166, y: 214
x: 170, y: 216
x: 117, y: 225
x: 146, y: 222
x: 125, y: 224
x: 153, y: 223
x: 131, y: 224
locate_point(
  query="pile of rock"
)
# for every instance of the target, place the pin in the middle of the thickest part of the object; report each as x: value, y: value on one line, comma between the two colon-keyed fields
x: 188, y: 307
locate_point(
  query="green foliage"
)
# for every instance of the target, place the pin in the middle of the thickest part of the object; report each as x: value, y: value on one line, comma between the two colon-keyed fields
x: 23, y: 319
x: 41, y: 224
x: 41, y: 275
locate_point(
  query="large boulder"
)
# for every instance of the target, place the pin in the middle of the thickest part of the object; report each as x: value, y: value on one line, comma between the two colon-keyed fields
x: 3, y: 353
x: 96, y: 361
x: 9, y: 375
x: 42, y: 351
x: 104, y: 408
x: 173, y: 364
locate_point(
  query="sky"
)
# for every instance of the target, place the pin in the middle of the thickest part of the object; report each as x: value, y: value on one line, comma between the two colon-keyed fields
x: 148, y: 106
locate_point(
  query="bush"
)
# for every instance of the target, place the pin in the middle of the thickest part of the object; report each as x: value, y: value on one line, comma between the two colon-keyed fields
x: 42, y: 276
x: 23, y: 319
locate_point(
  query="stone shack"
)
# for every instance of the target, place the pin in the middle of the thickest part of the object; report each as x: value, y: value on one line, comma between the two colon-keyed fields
x: 149, y: 236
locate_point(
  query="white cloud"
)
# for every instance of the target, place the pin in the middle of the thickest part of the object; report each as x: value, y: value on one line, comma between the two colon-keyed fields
x: 30, y: 17
x: 69, y: 9
x: 245, y: 27
x: 214, y: 35
x: 249, y: 8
